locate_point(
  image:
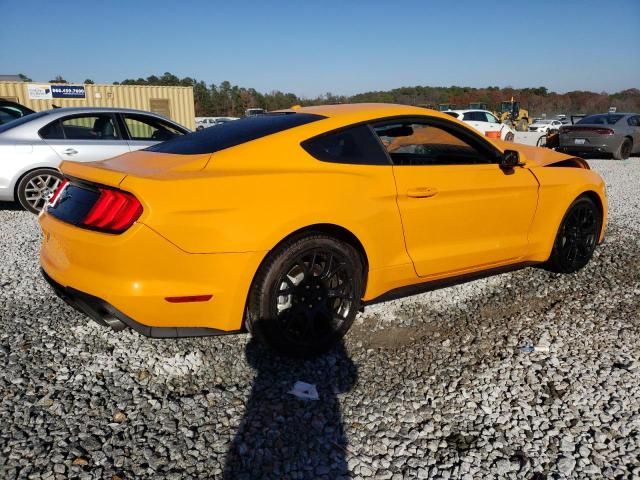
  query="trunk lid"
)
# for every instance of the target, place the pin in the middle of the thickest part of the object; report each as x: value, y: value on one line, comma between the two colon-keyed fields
x: 142, y: 164
x: 586, y: 131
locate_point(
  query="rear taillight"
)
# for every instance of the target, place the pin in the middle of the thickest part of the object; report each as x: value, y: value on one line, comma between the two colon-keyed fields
x: 114, y: 211
x: 588, y: 130
x: 56, y: 195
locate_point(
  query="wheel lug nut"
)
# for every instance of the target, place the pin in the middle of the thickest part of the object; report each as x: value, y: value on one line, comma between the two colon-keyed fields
x: 310, y: 306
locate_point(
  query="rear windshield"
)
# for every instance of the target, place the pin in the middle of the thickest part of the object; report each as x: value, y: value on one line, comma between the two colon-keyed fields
x: 603, y: 119
x: 22, y: 120
x: 234, y: 133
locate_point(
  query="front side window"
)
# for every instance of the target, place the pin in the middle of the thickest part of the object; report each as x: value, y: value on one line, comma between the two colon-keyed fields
x: 356, y: 145
x: 491, y: 118
x: 90, y: 127
x: 415, y: 143
x: 141, y: 127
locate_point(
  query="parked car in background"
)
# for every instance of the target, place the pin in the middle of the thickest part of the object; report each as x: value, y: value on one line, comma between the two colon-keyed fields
x: 206, y: 122
x: 543, y: 126
x: 252, y: 112
x: 9, y: 111
x: 617, y: 134
x: 485, y: 122
x: 285, y: 224
x: 32, y: 147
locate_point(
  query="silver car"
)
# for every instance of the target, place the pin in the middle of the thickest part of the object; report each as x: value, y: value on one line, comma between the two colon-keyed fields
x: 617, y: 134
x: 32, y: 147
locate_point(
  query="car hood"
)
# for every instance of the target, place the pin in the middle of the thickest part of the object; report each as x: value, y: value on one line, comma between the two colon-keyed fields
x: 540, y: 157
x: 140, y: 164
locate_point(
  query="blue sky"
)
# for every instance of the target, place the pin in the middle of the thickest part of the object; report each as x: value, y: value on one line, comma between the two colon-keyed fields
x: 343, y: 47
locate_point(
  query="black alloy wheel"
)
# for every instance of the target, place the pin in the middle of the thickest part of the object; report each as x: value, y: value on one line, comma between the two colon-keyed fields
x: 306, y: 295
x: 577, y: 237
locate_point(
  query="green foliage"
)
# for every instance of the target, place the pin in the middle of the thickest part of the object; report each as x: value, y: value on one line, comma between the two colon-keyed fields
x: 24, y: 78
x: 58, y: 79
x: 226, y: 99
x: 88, y: 81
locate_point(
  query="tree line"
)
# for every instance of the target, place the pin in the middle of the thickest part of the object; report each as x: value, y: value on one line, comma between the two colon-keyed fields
x: 226, y: 99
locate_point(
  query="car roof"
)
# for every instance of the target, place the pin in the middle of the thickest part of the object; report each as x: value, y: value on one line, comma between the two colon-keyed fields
x: 470, y: 110
x: 97, y: 109
x: 367, y: 110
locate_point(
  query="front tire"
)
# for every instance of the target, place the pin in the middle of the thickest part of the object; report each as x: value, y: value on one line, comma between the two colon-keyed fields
x: 306, y: 295
x: 36, y: 188
x: 577, y: 237
x: 624, y: 150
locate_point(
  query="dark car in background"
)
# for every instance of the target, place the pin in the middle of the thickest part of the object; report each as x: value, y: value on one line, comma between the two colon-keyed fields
x: 617, y: 134
x: 9, y: 111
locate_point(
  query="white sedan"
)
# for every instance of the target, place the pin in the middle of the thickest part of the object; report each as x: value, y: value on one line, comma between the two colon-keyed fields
x: 543, y: 126
x: 485, y: 122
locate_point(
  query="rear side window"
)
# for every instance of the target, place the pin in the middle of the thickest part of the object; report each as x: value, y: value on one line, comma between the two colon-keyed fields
x: 90, y: 127
x: 233, y: 133
x: 601, y: 119
x: 53, y: 131
x: 22, y: 120
x: 355, y: 145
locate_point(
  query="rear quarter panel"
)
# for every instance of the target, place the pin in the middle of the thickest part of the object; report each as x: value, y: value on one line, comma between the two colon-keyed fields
x: 250, y: 197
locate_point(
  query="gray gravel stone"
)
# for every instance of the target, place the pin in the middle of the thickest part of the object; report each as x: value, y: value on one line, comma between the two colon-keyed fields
x: 430, y: 386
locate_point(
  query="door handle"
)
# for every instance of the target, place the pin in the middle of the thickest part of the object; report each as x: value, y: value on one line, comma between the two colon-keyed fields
x: 422, y: 192
x: 70, y: 151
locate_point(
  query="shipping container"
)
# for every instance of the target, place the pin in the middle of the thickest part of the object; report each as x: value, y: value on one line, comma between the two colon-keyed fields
x: 175, y: 103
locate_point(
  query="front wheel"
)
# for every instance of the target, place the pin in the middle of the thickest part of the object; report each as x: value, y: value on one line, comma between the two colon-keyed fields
x: 577, y: 237
x: 306, y: 295
x: 36, y: 188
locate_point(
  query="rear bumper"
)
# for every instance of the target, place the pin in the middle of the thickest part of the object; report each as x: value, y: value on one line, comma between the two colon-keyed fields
x: 107, y: 315
x: 129, y: 277
x: 602, y: 144
x: 584, y: 149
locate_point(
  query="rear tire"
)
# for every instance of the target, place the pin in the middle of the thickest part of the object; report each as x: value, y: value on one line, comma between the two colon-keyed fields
x: 624, y: 150
x: 36, y: 188
x: 306, y: 295
x: 577, y: 237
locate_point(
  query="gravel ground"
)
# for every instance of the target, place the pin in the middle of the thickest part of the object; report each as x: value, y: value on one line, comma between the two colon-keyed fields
x: 432, y: 386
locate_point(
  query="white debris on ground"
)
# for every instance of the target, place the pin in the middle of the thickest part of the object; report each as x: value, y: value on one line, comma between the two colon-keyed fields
x: 432, y: 386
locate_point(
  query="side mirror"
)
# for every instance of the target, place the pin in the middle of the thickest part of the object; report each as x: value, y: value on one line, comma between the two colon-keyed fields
x: 510, y: 159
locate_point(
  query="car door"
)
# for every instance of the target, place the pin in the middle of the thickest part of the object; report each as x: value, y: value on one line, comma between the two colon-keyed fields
x: 145, y: 130
x: 492, y: 124
x: 460, y: 211
x: 85, y: 137
x: 477, y: 120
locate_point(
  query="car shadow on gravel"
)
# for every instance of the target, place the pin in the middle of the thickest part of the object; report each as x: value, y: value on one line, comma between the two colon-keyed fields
x: 10, y: 206
x: 282, y: 436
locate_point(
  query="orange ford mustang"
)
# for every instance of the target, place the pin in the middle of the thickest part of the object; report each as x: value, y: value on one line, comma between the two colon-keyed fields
x: 287, y: 224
